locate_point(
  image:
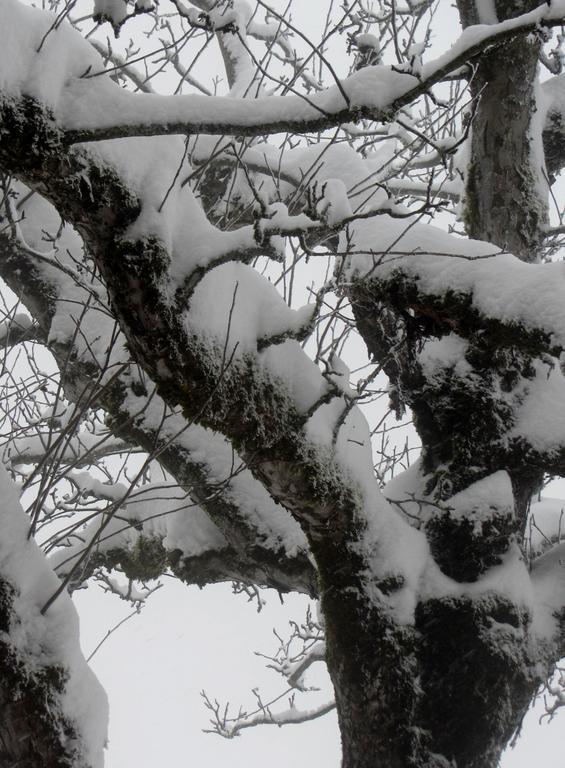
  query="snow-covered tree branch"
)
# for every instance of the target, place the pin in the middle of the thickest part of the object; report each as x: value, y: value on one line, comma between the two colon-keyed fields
x: 155, y: 239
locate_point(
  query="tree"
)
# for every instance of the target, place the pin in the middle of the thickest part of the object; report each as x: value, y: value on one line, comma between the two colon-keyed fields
x: 158, y: 242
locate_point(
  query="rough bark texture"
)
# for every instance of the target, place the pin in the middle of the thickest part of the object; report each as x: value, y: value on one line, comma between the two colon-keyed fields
x: 506, y: 168
x: 465, y: 673
x: 478, y: 685
x: 473, y: 689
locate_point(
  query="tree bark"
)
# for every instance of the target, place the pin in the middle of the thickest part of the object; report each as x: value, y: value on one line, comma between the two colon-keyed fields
x: 506, y: 179
x: 473, y: 688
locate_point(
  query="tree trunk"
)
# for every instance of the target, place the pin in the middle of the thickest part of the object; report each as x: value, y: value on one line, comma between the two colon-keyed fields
x: 450, y: 691
x: 506, y: 181
x: 453, y: 692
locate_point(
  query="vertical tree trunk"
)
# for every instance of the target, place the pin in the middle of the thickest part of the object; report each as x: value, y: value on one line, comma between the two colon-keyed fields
x: 452, y: 692
x: 448, y: 692
x: 506, y: 186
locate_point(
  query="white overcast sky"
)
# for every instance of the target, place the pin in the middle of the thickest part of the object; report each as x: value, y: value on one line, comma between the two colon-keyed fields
x: 187, y: 639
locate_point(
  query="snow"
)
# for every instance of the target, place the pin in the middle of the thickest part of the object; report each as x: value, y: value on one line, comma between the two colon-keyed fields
x: 113, y: 10
x: 406, y: 492
x: 247, y: 310
x: 548, y: 581
x: 510, y: 580
x: 546, y: 524
x: 501, y: 286
x: 553, y: 94
x: 245, y: 80
x: 339, y: 374
x: 64, y: 54
x: 155, y: 510
x: 536, y: 150
x: 56, y: 77
x: 486, y: 11
x: 367, y: 40
x: 351, y: 444
x: 278, y: 218
x: 478, y: 502
x: 80, y: 447
x: 97, y: 104
x: 334, y: 206
x: 49, y: 639
x: 297, y: 376
x: 19, y: 323
x: 170, y: 213
x: 82, y: 300
x: 540, y: 417
x: 166, y: 511
x: 478, y: 33
x: 90, y: 485
x: 437, y: 355
x: 250, y: 310
x: 393, y: 549
x: 274, y: 526
x: 488, y: 496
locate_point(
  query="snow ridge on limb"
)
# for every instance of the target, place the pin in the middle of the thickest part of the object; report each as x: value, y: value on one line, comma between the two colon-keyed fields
x: 46, y: 682
x: 225, y: 391
x: 469, y: 282
x: 471, y: 327
x: 262, y: 543
x: 372, y: 92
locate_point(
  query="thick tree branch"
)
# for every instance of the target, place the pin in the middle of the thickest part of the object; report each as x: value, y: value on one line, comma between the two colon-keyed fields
x: 373, y: 93
x: 506, y: 183
x: 256, y: 553
x: 54, y: 711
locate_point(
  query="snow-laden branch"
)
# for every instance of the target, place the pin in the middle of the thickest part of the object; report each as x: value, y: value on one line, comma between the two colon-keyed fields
x: 299, y: 432
x: 53, y: 708
x: 230, y: 368
x: 479, y: 277
x: 304, y: 647
x: 261, y: 545
x: 374, y: 92
x: 229, y: 727
x: 275, y: 404
x: 157, y: 528
x: 78, y: 451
